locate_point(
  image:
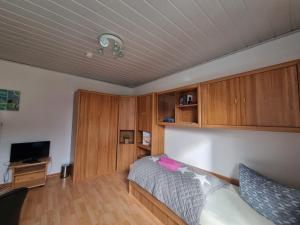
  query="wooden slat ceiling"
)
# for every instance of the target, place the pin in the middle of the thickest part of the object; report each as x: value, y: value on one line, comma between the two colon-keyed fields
x: 161, y: 36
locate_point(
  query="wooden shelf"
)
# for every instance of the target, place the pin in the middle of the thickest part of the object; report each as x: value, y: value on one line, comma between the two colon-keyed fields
x: 182, y: 124
x: 145, y: 147
x: 20, y: 164
x: 174, y: 104
x: 142, y: 156
x: 188, y: 105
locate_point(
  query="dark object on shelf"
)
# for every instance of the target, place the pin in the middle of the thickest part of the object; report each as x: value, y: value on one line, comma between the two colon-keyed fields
x: 186, y: 99
x: 10, y: 206
x: 126, y: 136
x: 65, y: 170
x: 169, y: 120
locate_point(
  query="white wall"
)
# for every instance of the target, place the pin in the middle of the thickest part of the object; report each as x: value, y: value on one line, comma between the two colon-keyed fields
x: 46, y: 109
x: 274, y: 154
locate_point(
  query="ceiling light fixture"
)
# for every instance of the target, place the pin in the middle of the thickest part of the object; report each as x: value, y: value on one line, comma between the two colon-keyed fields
x: 117, y: 48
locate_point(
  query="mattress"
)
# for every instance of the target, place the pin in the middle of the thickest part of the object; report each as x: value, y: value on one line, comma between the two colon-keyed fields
x: 225, y: 207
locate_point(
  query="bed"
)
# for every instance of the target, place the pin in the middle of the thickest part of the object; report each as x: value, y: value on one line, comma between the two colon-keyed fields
x: 223, y: 205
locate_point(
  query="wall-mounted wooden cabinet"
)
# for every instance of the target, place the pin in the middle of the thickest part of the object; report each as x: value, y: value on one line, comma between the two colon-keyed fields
x: 179, y: 107
x: 271, y: 98
x: 266, y: 99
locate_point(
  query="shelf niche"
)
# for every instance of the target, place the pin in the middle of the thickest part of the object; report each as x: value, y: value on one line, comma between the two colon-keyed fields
x: 166, y: 106
x: 179, y: 107
x: 142, y: 149
x: 126, y: 136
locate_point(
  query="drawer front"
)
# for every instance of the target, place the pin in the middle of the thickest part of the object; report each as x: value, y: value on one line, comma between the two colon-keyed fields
x: 29, y: 177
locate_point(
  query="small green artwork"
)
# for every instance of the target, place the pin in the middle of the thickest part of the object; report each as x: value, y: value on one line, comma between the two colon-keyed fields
x: 9, y: 100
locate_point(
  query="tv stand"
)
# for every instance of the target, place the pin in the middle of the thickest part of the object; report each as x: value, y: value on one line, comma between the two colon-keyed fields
x: 29, y: 174
x: 30, y: 161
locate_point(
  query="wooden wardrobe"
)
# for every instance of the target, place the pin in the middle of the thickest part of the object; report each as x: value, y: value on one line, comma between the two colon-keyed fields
x: 95, y: 134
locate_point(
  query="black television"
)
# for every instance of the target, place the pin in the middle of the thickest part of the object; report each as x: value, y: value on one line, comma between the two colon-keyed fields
x: 29, y: 152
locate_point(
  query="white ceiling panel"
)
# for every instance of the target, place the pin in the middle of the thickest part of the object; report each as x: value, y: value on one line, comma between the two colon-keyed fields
x: 161, y: 36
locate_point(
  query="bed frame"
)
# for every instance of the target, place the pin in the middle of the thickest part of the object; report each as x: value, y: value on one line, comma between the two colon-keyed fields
x: 157, y: 208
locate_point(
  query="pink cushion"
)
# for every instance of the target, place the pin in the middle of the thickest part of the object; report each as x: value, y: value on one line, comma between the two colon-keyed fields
x: 167, y: 159
x: 169, y: 164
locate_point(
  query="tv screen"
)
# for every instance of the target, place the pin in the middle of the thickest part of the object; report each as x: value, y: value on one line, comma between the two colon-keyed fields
x: 29, y: 151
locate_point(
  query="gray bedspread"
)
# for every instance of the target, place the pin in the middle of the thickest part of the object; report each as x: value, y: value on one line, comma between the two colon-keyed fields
x: 183, y: 191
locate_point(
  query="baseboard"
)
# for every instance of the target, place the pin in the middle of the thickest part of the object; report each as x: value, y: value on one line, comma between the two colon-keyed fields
x: 53, y: 175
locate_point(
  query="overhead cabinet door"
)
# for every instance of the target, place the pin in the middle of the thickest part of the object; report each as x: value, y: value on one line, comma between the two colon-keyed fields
x: 220, y: 102
x: 271, y: 99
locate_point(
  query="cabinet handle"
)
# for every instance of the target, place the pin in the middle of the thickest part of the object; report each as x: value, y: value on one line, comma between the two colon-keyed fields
x: 244, y: 100
x: 235, y: 101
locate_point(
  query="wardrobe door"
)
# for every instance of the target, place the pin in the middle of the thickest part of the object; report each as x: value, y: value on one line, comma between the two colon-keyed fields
x: 107, y: 135
x: 81, y: 135
x: 271, y: 99
x: 92, y: 118
x: 127, y: 122
x: 145, y: 112
x: 86, y: 146
x: 220, y: 103
x: 96, y: 135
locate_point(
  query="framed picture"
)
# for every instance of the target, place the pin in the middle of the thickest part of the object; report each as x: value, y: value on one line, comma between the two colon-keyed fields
x: 9, y: 100
x: 146, y: 138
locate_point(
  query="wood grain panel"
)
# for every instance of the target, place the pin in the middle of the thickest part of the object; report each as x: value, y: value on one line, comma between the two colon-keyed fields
x: 271, y: 98
x: 81, y: 137
x: 126, y: 153
x: 92, y: 146
x: 127, y: 113
x: 126, y: 156
x: 145, y: 107
x: 158, y: 132
x: 108, y: 133
x: 220, y: 102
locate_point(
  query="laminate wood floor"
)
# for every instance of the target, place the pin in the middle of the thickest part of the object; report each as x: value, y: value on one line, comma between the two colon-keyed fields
x: 100, y: 201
